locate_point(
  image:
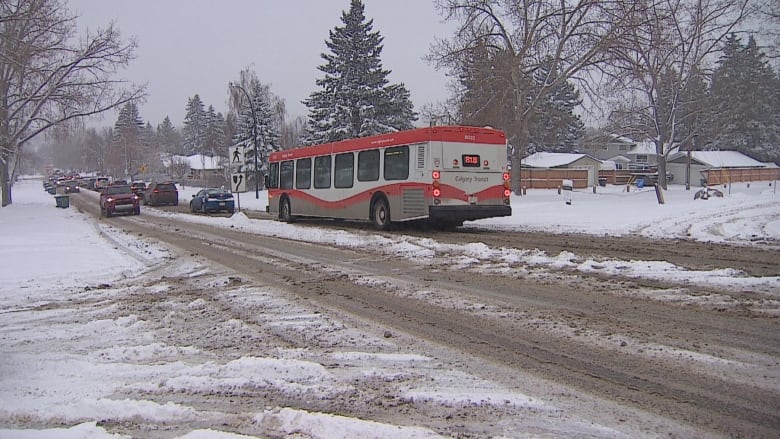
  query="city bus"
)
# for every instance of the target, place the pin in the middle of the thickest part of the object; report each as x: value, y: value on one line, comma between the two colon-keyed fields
x: 441, y: 175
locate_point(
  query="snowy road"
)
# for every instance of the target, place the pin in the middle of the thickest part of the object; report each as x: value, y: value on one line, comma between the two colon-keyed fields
x: 237, y: 331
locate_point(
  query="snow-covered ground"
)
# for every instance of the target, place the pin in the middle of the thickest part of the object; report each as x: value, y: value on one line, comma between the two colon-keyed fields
x: 52, y: 255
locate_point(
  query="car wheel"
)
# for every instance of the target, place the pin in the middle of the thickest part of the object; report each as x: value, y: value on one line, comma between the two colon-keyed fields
x: 381, y: 214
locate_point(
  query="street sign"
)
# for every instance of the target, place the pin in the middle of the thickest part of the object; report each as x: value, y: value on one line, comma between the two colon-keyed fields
x: 238, y: 182
x: 236, y: 155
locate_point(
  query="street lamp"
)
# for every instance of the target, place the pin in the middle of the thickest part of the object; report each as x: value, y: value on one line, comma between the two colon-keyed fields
x: 254, y: 135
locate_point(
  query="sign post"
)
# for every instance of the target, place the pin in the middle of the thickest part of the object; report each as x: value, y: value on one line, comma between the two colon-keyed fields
x: 237, y: 176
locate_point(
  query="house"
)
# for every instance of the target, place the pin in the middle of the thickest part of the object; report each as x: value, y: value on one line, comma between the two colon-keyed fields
x: 560, y: 163
x: 625, y: 152
x: 719, y: 167
x: 198, y: 168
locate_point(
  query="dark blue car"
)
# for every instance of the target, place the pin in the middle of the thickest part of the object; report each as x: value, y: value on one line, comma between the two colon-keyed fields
x: 212, y: 200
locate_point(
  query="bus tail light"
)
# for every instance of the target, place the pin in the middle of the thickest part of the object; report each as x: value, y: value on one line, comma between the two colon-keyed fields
x: 436, y: 187
x: 507, y: 188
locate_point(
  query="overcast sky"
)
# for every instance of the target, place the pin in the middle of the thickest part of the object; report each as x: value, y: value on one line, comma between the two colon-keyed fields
x: 198, y: 46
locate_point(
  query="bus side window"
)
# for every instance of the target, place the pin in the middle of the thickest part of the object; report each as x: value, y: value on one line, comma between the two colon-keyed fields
x: 397, y: 163
x: 286, y: 174
x: 303, y: 174
x: 344, y: 174
x: 322, y: 172
x: 272, y: 179
x: 368, y: 165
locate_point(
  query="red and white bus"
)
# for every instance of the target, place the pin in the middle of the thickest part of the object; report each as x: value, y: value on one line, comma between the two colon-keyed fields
x: 443, y: 175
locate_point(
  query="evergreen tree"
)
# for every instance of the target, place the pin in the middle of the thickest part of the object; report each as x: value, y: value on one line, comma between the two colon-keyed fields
x: 355, y: 99
x: 194, y: 131
x: 555, y: 127
x: 264, y: 134
x: 128, y: 142
x: 168, y: 138
x: 485, y: 99
x: 746, y: 96
x: 214, y: 138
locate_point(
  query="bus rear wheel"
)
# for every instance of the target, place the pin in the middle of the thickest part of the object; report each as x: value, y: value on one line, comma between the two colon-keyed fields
x: 381, y: 214
x: 285, y: 212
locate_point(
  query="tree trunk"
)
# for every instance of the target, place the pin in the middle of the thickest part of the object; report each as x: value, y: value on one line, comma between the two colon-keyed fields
x: 662, y: 171
x: 5, y: 184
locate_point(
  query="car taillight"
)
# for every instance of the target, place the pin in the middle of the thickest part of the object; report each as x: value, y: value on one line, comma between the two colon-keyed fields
x: 436, y: 186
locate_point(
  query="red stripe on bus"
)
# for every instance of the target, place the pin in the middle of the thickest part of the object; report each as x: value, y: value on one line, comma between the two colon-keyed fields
x: 492, y: 193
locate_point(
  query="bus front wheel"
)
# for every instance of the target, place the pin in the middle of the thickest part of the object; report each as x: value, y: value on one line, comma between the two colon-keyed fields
x: 381, y: 214
x: 285, y: 212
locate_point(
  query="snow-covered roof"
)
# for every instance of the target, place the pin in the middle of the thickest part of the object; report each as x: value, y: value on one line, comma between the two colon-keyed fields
x: 644, y: 147
x: 620, y: 158
x: 552, y: 159
x: 725, y: 159
x: 621, y: 139
x: 198, y: 161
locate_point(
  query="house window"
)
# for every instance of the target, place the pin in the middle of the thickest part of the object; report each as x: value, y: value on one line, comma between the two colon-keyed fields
x: 624, y: 147
x: 641, y: 158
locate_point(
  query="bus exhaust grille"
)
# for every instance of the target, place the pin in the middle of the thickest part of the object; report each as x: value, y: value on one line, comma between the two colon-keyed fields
x: 413, y: 202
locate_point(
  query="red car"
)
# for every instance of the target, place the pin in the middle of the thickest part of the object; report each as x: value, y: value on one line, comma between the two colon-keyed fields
x: 161, y: 193
x: 118, y: 198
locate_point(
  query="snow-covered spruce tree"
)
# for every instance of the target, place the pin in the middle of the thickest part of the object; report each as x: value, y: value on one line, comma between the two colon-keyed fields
x: 264, y: 134
x: 355, y: 99
x: 214, y: 143
x: 128, y: 142
x: 168, y: 137
x: 746, y: 95
x: 194, y: 131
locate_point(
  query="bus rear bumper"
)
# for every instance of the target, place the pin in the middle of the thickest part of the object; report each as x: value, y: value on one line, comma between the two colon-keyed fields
x: 458, y: 214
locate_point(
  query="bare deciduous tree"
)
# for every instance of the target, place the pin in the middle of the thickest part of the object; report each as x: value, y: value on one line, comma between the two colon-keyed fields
x: 48, y: 75
x: 666, y: 48
x: 547, y: 41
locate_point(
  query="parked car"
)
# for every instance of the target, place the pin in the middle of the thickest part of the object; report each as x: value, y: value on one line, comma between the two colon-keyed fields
x: 161, y: 193
x: 138, y: 188
x: 212, y: 200
x: 116, y: 198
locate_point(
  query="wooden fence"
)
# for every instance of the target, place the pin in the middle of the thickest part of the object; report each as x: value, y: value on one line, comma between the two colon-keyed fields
x: 539, y: 178
x: 738, y: 175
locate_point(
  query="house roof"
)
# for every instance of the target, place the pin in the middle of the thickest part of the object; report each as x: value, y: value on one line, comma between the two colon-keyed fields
x: 646, y: 147
x: 620, y: 158
x: 552, y: 159
x: 723, y: 159
x: 198, y: 161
